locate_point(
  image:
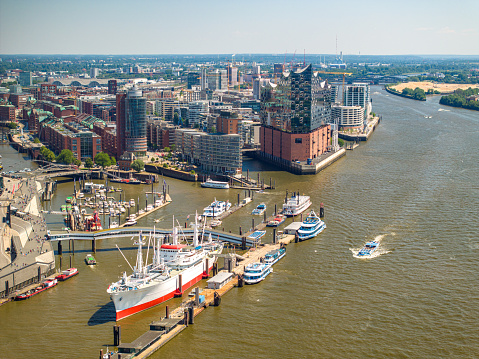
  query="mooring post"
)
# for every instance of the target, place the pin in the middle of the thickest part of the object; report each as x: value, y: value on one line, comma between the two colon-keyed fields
x: 73, y: 246
x: 275, y: 209
x: 101, y: 353
x: 191, y: 315
x: 238, y: 199
x: 274, y: 235
x: 60, y: 263
x: 197, y: 296
x: 60, y: 249
x: 240, y: 231
x: 167, y: 312
x: 93, y: 246
x: 321, y: 210
x: 252, y: 223
x: 70, y: 261
x: 185, y: 317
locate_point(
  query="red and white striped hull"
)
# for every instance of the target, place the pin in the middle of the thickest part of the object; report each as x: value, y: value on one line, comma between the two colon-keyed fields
x: 156, y: 292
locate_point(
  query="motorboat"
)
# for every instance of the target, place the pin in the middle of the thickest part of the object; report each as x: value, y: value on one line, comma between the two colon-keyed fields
x: 259, y: 210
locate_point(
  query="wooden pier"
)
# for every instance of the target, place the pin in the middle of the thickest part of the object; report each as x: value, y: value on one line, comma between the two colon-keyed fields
x: 167, y: 201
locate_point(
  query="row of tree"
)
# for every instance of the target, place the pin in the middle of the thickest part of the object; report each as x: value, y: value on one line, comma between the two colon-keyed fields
x: 66, y: 157
x: 458, y: 99
x: 417, y: 93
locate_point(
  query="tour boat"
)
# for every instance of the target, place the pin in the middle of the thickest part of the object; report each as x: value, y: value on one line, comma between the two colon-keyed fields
x: 276, y: 221
x: 296, y: 205
x: 209, y: 183
x: 90, y: 260
x: 49, y: 283
x: 259, y: 210
x: 256, y: 272
x: 66, y: 274
x: 174, y: 268
x: 368, y: 249
x: 256, y: 235
x: 216, y: 208
x: 275, y: 255
x: 310, y: 227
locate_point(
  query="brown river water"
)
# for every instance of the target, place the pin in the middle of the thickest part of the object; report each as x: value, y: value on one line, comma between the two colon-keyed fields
x: 414, y: 186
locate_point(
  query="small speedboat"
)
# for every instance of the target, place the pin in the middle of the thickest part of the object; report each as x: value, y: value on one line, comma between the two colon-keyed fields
x: 67, y: 274
x: 90, y: 260
x: 259, y: 210
x: 368, y: 249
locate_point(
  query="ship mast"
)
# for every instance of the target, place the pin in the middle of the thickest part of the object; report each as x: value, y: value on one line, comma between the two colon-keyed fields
x: 195, y: 232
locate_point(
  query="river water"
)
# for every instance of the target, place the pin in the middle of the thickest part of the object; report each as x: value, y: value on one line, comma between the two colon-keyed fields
x: 414, y: 186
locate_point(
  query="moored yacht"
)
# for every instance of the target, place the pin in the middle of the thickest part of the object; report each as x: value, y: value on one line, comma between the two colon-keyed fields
x: 216, y: 208
x: 310, y: 227
x: 296, y: 205
x: 209, y: 183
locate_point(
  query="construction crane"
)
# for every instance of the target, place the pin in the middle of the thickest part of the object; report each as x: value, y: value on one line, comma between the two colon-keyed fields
x: 291, y: 64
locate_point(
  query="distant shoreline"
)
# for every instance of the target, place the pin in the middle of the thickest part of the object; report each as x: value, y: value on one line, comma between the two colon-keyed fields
x: 443, y: 88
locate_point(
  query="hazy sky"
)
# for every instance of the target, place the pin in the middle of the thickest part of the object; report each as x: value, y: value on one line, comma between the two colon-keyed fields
x: 211, y: 27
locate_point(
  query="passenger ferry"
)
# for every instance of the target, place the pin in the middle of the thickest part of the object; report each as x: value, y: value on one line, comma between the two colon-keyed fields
x: 368, y: 249
x: 310, y: 227
x: 296, y: 205
x: 275, y: 255
x: 216, y: 208
x: 259, y: 210
x: 209, y: 183
x: 256, y: 272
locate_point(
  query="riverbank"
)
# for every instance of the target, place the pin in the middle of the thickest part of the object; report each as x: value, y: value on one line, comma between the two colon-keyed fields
x: 434, y: 86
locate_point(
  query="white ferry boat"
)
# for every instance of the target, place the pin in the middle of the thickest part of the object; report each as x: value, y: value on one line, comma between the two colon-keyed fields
x: 310, y: 227
x: 175, y: 267
x: 259, y: 210
x: 296, y: 205
x: 209, y: 183
x: 275, y: 255
x: 216, y: 208
x: 256, y: 272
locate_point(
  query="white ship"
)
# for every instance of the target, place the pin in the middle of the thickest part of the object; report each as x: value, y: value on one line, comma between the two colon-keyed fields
x: 175, y: 267
x: 296, y: 205
x: 216, y: 208
x: 209, y: 183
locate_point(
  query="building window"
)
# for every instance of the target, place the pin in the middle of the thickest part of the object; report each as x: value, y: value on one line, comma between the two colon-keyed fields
x: 298, y: 140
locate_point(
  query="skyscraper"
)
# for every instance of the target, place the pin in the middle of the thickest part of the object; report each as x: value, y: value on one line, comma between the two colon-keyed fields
x: 131, y: 123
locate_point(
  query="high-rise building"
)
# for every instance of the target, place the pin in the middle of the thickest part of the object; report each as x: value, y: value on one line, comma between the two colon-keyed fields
x: 348, y: 116
x: 218, y: 80
x: 131, y: 123
x: 256, y: 89
x: 94, y: 72
x: 112, y: 87
x: 193, y: 79
x: 232, y: 75
x: 358, y: 94
x: 195, y: 109
x: 25, y: 78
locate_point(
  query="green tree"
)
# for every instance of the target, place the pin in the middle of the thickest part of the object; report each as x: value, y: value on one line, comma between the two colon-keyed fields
x: 36, y: 140
x: 77, y: 162
x: 47, y: 154
x: 113, y: 161
x: 102, y: 159
x: 66, y: 157
x: 12, y: 125
x: 138, y: 165
x: 176, y: 118
x: 88, y: 163
x: 173, y: 147
x: 167, y: 149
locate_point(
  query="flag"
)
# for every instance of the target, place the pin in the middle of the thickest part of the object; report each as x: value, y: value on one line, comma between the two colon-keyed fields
x: 187, y: 218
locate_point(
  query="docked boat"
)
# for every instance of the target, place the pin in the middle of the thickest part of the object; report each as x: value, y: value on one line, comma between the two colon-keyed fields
x: 49, y: 283
x: 310, y: 227
x: 276, y: 221
x: 245, y: 201
x: 215, y: 223
x: 132, y: 203
x: 256, y: 235
x: 90, y: 260
x: 174, y: 268
x: 216, y: 208
x: 368, y: 249
x: 273, y: 256
x: 259, y: 210
x: 149, y: 207
x: 296, y: 205
x: 130, y: 222
x: 114, y: 224
x: 81, y: 195
x: 256, y: 272
x: 209, y: 183
x: 158, y: 202
x: 67, y: 274
x: 134, y: 181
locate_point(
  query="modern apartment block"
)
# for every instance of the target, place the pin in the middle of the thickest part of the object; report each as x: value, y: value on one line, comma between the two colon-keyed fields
x: 160, y: 133
x: 7, y: 113
x: 218, y: 80
x: 193, y: 79
x: 25, y: 78
x: 215, y: 153
x: 106, y: 130
x: 112, y: 87
x: 131, y: 123
x: 348, y: 116
x: 195, y: 109
x: 358, y: 94
x: 295, y: 115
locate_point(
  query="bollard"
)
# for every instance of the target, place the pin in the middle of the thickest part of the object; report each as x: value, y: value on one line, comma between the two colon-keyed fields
x: 191, y: 315
x: 185, y: 317
x: 60, y: 249
x: 240, y: 281
x: 167, y: 312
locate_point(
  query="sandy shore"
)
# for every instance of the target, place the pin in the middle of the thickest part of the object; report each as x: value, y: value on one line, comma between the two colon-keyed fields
x: 426, y: 85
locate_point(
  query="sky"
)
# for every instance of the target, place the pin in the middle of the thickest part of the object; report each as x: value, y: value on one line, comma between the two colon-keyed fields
x: 366, y: 27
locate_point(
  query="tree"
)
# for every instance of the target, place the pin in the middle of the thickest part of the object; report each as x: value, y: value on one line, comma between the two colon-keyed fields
x: 36, y: 140
x: 167, y: 149
x: 102, y: 159
x: 113, y: 161
x: 66, y: 157
x: 173, y: 147
x: 176, y: 118
x: 138, y: 165
x: 77, y: 162
x: 47, y: 154
x: 12, y: 125
x: 88, y: 163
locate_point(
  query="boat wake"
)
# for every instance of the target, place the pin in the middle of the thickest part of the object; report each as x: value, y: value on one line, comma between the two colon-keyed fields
x: 378, y: 252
